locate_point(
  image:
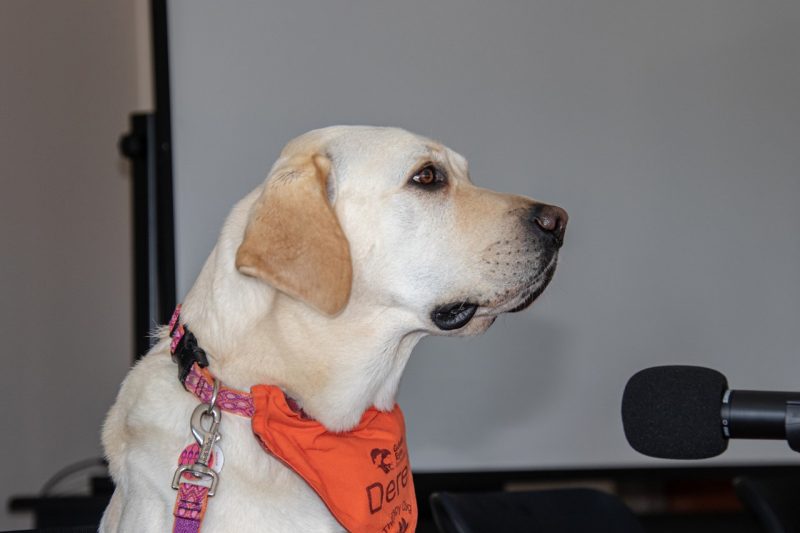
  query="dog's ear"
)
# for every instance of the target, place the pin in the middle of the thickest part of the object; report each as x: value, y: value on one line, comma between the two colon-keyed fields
x: 293, y: 240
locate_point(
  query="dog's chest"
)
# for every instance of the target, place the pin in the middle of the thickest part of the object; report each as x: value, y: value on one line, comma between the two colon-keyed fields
x: 257, y: 492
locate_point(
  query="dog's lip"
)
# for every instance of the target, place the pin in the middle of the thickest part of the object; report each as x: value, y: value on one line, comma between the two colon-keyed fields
x: 528, y: 300
x: 457, y: 314
x: 522, y: 298
x: 453, y: 315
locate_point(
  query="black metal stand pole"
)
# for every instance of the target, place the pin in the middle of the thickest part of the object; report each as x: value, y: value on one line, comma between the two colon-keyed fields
x: 139, y: 147
x: 148, y: 146
x: 165, y: 219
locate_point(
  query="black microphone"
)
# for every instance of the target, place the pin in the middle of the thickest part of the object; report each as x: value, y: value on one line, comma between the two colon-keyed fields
x: 688, y: 412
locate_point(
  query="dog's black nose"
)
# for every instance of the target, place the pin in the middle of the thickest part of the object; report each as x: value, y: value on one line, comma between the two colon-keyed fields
x: 550, y: 221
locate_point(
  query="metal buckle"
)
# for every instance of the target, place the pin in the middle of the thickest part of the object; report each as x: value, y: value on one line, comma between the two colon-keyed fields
x: 198, y: 470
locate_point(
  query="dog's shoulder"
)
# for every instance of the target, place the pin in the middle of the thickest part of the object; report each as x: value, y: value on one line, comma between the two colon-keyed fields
x: 151, y: 404
x: 143, y: 435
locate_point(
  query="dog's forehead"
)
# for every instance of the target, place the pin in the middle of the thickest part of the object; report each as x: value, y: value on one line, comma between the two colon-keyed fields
x: 381, y: 150
x: 376, y: 145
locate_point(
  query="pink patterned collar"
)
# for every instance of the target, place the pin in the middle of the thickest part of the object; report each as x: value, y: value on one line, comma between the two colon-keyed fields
x: 199, y: 381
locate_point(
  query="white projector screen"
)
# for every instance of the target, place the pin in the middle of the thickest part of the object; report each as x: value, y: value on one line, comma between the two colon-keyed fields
x: 670, y: 131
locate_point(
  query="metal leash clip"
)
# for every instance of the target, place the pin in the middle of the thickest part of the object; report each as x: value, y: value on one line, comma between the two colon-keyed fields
x: 206, y: 438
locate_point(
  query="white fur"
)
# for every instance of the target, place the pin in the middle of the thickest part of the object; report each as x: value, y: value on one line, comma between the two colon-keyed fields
x: 411, y: 250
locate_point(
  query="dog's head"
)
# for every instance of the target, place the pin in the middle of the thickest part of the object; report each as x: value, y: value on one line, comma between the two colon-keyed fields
x: 388, y: 219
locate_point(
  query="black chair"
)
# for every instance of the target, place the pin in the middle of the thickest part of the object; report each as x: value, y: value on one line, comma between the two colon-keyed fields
x: 774, y: 500
x: 547, y: 511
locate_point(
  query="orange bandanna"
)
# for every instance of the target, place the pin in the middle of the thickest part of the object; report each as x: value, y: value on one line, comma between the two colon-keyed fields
x: 363, y: 475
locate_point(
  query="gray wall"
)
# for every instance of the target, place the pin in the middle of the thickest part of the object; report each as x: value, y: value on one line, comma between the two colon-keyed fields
x: 70, y: 72
x: 669, y: 130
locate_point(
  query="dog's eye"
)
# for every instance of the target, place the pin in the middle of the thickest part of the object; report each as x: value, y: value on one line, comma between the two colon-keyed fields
x: 429, y: 177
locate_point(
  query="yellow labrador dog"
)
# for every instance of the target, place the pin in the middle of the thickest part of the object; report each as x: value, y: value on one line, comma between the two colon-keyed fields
x: 361, y: 241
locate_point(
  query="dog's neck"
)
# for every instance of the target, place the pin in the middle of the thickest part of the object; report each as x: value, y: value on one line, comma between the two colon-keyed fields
x: 335, y: 367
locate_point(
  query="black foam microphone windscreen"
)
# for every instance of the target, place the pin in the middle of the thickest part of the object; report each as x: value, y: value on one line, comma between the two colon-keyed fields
x: 673, y: 412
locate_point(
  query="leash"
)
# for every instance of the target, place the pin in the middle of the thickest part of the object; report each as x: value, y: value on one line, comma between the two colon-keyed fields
x: 199, y: 464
